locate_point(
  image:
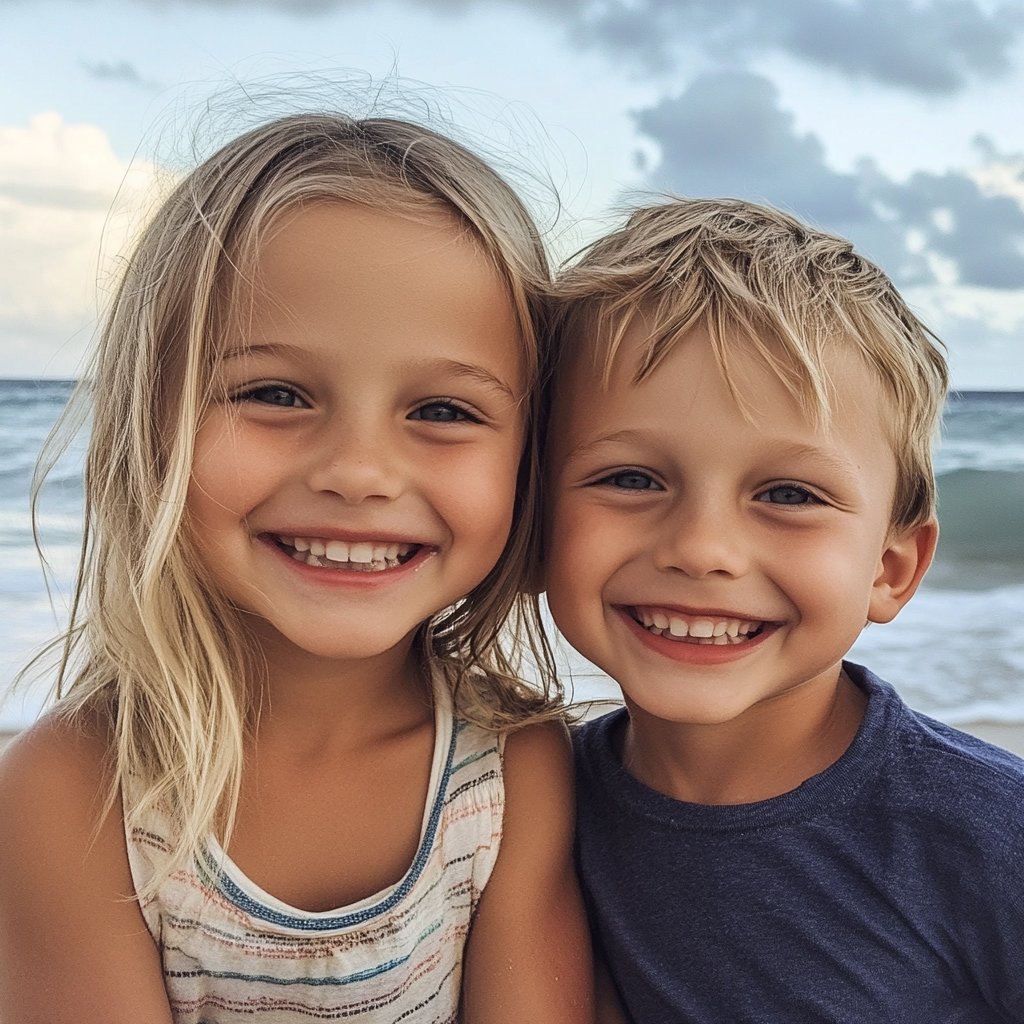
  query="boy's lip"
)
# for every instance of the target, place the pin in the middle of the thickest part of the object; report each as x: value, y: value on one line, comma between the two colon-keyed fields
x: 695, y: 653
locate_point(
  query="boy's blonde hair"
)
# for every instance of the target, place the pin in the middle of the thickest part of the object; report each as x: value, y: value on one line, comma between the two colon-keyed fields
x: 160, y: 653
x: 791, y: 292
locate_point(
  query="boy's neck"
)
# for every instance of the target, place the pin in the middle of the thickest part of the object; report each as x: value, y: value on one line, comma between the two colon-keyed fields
x: 769, y: 750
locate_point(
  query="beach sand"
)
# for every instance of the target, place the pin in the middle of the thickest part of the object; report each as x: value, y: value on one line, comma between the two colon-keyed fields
x: 1008, y: 736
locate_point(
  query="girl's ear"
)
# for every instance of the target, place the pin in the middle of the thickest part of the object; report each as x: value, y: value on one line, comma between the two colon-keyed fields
x: 902, y: 566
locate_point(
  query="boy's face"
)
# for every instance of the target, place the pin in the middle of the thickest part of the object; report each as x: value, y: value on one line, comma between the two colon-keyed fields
x: 672, y: 513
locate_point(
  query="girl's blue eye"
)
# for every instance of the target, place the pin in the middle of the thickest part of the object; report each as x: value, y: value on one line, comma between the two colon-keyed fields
x: 441, y: 412
x: 787, y: 494
x: 275, y: 394
x: 633, y: 480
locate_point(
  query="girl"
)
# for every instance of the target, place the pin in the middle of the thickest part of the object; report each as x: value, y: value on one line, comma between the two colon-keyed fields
x: 312, y: 502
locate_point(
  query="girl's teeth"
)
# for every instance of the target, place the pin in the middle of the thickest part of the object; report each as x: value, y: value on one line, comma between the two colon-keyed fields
x: 661, y: 620
x: 677, y: 627
x: 362, y: 556
x: 720, y: 628
x: 702, y: 628
x: 337, y: 551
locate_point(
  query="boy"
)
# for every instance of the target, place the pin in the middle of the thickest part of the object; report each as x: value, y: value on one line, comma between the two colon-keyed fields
x: 741, y: 480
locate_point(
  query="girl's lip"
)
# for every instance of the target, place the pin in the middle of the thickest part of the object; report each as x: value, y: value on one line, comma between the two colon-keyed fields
x: 345, y: 577
x: 691, y: 653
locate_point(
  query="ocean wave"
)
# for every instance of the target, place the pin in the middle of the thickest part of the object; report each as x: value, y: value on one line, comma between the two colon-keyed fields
x: 981, y: 515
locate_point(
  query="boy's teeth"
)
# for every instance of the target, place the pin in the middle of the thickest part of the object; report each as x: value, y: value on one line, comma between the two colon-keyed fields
x: 718, y: 632
x: 361, y: 553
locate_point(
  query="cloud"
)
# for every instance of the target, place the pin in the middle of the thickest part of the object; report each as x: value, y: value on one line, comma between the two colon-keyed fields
x: 123, y: 71
x: 68, y: 205
x: 933, y: 47
x: 727, y: 135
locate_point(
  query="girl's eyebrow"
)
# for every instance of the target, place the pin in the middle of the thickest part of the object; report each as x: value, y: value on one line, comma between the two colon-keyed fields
x: 454, y: 367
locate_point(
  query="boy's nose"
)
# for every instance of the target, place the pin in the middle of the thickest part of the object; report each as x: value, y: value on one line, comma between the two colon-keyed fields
x: 701, y: 539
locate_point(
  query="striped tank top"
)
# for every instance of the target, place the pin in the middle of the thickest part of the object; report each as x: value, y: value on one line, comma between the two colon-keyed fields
x: 232, y: 952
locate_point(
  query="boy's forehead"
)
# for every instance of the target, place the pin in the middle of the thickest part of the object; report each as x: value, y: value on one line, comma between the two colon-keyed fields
x: 595, y: 392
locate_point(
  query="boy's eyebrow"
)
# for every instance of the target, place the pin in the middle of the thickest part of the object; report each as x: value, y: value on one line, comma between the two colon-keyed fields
x: 792, y: 450
x: 586, y: 447
x: 472, y: 371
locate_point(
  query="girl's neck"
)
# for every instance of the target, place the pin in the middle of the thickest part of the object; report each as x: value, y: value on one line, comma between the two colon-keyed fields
x: 308, y: 700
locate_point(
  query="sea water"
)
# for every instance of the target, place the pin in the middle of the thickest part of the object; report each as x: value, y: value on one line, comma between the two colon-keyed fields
x: 956, y: 651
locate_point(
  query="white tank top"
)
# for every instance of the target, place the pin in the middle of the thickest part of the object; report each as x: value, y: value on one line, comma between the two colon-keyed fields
x: 232, y: 952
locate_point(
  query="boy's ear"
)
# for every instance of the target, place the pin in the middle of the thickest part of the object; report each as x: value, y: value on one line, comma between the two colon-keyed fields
x: 902, y: 566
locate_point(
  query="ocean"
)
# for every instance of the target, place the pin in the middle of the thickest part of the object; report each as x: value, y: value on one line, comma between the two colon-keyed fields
x: 956, y: 651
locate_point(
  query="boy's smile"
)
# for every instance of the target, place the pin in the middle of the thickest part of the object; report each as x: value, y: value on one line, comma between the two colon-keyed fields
x: 711, y: 558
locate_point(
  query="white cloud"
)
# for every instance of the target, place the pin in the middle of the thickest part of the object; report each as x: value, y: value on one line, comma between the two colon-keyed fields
x: 68, y: 207
x: 984, y: 329
x: 1001, y: 177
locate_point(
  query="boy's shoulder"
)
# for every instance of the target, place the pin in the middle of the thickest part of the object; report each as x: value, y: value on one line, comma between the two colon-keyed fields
x: 937, y: 767
x: 903, y: 765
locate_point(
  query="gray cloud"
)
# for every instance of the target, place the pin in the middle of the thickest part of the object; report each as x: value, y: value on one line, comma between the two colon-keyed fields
x: 726, y: 135
x: 122, y: 71
x: 935, y: 47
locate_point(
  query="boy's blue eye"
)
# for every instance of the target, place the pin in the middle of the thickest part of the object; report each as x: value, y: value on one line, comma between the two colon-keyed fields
x: 275, y: 394
x: 787, y: 494
x: 440, y: 412
x: 633, y: 480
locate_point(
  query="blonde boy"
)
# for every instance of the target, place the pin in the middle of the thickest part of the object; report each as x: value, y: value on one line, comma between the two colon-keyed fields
x: 741, y: 480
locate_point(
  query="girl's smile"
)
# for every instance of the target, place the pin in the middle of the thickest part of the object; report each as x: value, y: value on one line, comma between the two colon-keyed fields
x: 356, y: 473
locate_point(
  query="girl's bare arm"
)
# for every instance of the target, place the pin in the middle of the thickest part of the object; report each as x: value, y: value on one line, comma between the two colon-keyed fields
x: 528, y: 958
x: 73, y: 944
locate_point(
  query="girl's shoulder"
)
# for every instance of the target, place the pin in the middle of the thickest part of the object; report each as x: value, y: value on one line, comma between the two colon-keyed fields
x: 56, y: 765
x: 70, y: 933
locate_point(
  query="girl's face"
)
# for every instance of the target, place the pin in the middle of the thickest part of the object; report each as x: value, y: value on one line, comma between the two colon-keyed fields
x: 356, y: 471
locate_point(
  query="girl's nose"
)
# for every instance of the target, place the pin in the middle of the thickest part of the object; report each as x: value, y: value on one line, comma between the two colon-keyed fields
x: 357, y: 465
x: 702, y: 538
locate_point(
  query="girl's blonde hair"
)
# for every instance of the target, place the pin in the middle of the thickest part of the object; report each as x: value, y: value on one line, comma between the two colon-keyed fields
x: 159, y: 651
x: 759, y: 280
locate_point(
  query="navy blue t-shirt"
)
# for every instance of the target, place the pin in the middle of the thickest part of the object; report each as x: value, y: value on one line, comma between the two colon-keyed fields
x: 889, y: 889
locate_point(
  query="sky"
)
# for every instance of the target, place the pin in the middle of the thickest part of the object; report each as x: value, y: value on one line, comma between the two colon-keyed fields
x: 899, y: 123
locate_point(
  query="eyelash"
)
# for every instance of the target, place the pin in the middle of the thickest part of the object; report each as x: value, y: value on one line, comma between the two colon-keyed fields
x: 635, y: 473
x: 249, y: 395
x: 807, y: 497
x: 465, y: 415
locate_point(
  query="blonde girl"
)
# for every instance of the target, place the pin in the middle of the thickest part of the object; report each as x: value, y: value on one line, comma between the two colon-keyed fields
x: 312, y: 505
